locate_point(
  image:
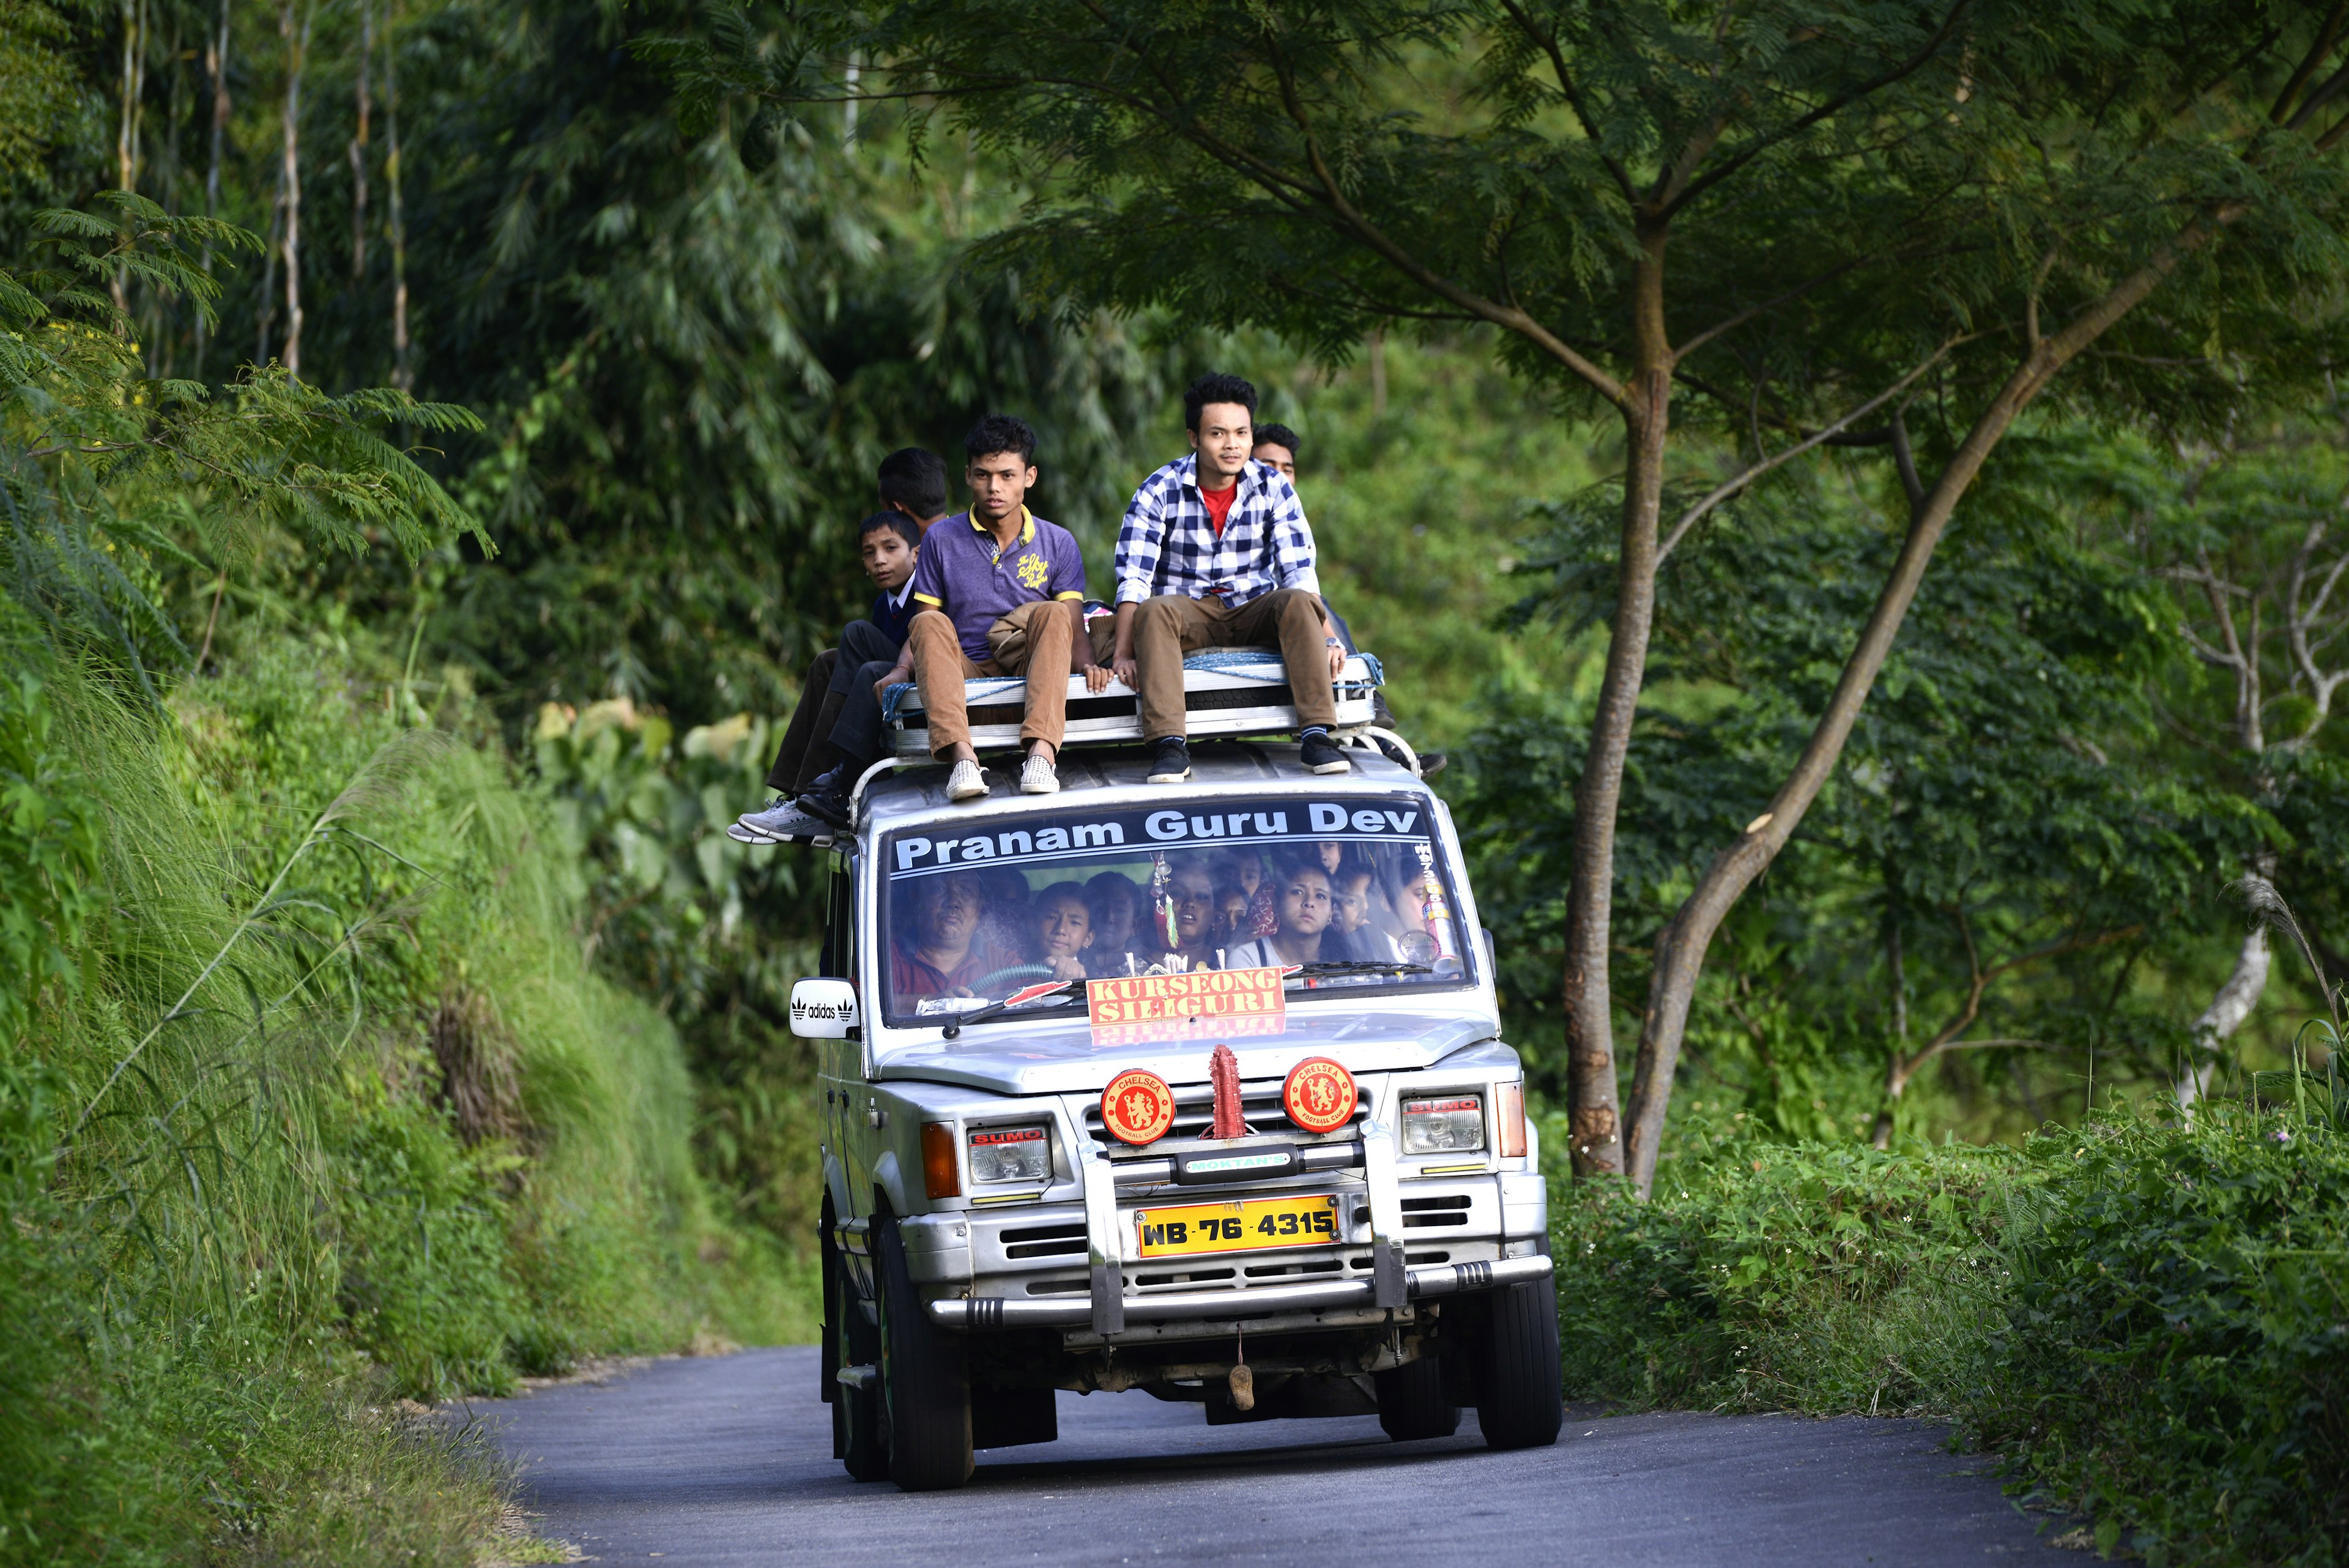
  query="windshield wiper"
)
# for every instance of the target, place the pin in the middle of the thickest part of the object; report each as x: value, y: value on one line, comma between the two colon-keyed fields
x: 1019, y: 998
x: 1352, y: 966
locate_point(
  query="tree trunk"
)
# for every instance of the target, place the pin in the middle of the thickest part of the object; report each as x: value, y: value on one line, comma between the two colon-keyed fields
x: 126, y: 135
x: 1591, y: 1096
x: 2226, y: 1013
x: 216, y: 66
x: 297, y: 49
x: 1680, y: 951
x: 401, y: 376
x: 358, y: 148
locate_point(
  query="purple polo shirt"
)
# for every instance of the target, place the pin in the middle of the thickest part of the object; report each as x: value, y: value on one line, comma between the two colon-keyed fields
x: 962, y: 573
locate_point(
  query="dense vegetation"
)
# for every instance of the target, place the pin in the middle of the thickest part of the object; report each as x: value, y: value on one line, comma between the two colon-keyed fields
x: 387, y: 1015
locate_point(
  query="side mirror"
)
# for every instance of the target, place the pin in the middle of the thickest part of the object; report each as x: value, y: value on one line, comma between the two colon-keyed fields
x: 1492, y: 957
x: 822, y: 1009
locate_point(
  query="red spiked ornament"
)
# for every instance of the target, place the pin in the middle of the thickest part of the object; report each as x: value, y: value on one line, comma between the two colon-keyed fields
x: 1224, y: 1071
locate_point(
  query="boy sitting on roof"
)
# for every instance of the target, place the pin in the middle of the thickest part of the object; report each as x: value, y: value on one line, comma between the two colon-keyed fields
x: 1003, y: 594
x: 1216, y: 552
x: 913, y: 496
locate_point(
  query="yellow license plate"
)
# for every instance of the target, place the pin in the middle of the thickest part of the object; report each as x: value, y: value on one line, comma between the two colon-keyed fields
x: 1249, y: 1225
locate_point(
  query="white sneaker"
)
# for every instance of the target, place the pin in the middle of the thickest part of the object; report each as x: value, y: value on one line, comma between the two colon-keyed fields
x: 1038, y: 776
x: 968, y: 782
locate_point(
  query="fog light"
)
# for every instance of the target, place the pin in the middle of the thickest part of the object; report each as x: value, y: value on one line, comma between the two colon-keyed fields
x: 1449, y: 1125
x: 1011, y: 1154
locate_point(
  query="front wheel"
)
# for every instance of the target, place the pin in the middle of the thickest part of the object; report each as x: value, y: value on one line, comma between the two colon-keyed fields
x: 1519, y: 1405
x: 924, y: 1379
x: 1412, y: 1403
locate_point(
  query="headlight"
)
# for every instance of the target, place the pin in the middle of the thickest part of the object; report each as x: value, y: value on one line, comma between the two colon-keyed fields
x: 1011, y: 1154
x: 1450, y: 1124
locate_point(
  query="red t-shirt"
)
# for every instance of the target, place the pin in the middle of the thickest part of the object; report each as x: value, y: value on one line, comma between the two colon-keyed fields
x: 1220, y: 505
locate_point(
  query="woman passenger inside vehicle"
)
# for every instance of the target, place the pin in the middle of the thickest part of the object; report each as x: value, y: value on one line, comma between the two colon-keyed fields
x: 1301, y: 902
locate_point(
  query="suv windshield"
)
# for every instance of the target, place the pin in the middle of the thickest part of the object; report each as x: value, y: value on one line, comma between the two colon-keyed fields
x: 1353, y: 892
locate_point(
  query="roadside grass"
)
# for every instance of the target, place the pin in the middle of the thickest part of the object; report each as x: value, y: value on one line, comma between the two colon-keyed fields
x: 311, y: 1105
x: 2146, y: 1320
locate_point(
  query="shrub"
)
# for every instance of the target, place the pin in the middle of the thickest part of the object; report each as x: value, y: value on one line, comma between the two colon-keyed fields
x: 2146, y: 1318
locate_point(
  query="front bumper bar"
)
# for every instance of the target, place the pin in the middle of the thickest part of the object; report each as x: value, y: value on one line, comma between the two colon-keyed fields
x: 984, y: 1313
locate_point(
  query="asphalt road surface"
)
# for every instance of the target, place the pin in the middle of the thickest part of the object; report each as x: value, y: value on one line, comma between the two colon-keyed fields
x: 728, y: 1461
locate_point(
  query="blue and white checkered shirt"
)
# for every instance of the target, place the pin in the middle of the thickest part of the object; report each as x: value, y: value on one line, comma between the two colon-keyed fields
x: 1168, y: 545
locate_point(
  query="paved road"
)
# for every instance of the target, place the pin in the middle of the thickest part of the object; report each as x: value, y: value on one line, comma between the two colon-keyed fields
x: 728, y: 1462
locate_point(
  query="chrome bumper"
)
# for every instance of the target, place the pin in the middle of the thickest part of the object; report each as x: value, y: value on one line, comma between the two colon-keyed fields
x: 984, y: 1313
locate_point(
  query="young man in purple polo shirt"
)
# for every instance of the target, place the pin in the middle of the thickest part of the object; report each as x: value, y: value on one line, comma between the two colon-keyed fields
x: 1004, y: 594
x: 1215, y: 551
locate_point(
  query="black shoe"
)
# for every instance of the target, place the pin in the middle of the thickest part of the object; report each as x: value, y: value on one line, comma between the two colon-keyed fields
x: 1320, y: 753
x: 1432, y: 763
x: 828, y: 801
x: 1170, y: 761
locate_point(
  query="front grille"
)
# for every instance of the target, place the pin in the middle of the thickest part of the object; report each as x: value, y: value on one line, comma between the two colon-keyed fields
x: 1189, y: 1277
x: 1451, y: 1211
x: 1273, y: 1271
x: 1045, y: 1241
x: 1195, y: 1113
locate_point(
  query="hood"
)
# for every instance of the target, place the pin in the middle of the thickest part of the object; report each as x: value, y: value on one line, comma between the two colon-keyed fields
x: 1059, y: 1056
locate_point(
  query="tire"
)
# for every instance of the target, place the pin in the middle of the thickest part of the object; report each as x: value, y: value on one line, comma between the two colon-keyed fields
x: 1519, y: 1405
x: 1412, y: 1403
x: 925, y: 1382
x: 856, y: 1439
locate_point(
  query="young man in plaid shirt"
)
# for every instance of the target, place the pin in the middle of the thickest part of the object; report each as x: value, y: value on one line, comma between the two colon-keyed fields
x: 1216, y: 552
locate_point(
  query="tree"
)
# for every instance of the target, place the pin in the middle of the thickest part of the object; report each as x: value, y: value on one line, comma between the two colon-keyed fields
x: 1803, y: 221
x: 2009, y: 861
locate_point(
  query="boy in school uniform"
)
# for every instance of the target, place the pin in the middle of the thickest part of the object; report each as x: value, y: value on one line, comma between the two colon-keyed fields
x: 890, y: 544
x: 913, y: 484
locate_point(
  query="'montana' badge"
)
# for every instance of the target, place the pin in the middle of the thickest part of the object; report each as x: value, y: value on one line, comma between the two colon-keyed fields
x: 1138, y: 1106
x: 1319, y: 1094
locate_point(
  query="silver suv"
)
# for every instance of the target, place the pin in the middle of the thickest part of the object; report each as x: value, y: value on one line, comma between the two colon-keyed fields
x: 1198, y: 1090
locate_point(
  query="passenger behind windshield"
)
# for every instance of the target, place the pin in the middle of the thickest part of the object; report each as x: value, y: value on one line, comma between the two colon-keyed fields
x: 1069, y: 897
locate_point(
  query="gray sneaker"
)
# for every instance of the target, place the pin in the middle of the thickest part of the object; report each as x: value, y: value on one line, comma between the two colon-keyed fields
x: 784, y: 819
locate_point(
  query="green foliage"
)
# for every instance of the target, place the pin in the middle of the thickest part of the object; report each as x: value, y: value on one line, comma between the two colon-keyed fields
x: 1847, y: 190
x: 48, y: 855
x: 426, y: 1287
x: 109, y: 475
x: 391, y: 1136
x: 2143, y: 1317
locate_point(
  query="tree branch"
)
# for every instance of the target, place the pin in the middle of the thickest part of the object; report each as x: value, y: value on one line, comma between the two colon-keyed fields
x: 1730, y: 487
x: 1827, y: 110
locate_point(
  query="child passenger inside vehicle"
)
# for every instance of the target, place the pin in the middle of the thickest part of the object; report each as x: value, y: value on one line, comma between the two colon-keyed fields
x: 1064, y: 930
x: 1353, y: 934
x: 1112, y: 898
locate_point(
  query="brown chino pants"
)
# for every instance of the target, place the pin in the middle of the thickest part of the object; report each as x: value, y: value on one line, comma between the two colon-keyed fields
x: 1033, y: 640
x: 1170, y: 626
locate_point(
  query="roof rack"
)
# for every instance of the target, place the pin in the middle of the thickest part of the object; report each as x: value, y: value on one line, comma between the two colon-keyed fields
x: 1227, y: 692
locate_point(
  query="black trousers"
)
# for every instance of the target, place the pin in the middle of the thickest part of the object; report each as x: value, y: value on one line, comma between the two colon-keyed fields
x: 866, y: 654
x: 811, y: 742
